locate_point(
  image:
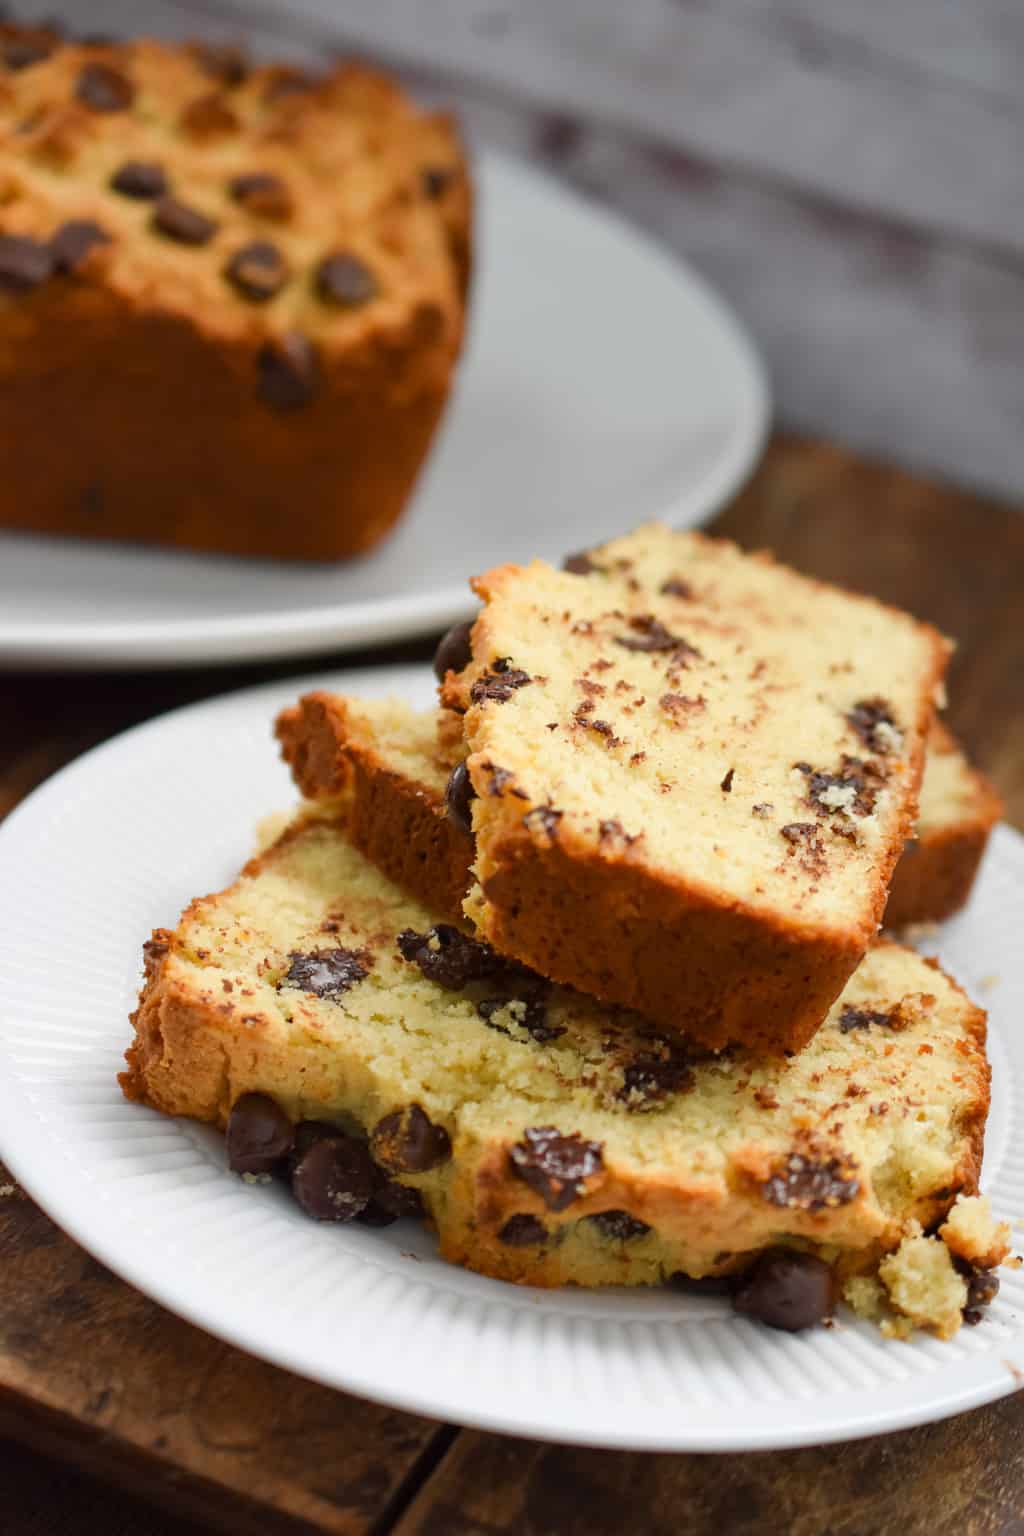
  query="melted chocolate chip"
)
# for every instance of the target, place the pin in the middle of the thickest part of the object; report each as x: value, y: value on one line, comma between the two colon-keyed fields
x: 546, y: 818
x: 103, y: 89
x: 581, y: 564
x: 619, y: 1226
x: 326, y: 973
x: 73, y: 241
x: 875, y: 724
x: 257, y: 270
x: 391, y: 1202
x: 24, y: 263
x: 408, y: 1141
x: 459, y: 795
x: 787, y: 1289
x: 448, y: 956
x: 803, y: 834
x: 498, y: 682
x: 342, y: 278
x: 288, y: 372
x: 262, y: 194
x: 334, y: 1179
x: 222, y: 62
x: 455, y: 650
x: 655, y: 1073
x: 435, y: 180
x: 676, y: 587
x: 179, y: 222
x: 529, y: 1013
x: 555, y: 1166
x: 805, y: 1185
x: 259, y: 1134
x: 140, y: 178
x: 522, y: 1231
x: 851, y: 791
x: 862, y: 1018
x: 649, y: 634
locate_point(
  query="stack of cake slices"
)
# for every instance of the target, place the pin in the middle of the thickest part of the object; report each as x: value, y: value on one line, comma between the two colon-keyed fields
x: 583, y: 967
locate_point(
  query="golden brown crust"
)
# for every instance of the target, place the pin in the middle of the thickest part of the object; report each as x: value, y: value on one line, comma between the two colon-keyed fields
x: 938, y: 866
x: 155, y: 364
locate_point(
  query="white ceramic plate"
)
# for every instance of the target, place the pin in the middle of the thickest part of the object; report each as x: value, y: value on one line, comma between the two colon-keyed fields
x: 117, y: 844
x: 604, y: 383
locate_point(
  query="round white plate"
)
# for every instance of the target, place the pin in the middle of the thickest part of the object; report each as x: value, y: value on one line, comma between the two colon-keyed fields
x: 603, y: 384
x: 117, y: 844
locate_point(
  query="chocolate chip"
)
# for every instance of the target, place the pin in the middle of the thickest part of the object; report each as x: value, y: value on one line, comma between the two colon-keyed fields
x: 262, y: 194
x: 649, y: 634
x: 257, y: 270
x: 222, y: 62
x: 522, y: 1231
x: 436, y: 179
x: 875, y: 724
x: 726, y: 784
x: 180, y: 222
x: 140, y: 178
x: 259, y: 1134
x: 499, y: 780
x: 555, y: 1166
x: 408, y: 1141
x: 455, y: 650
x: 982, y: 1290
x: 342, y: 278
x: 618, y: 1226
x: 528, y: 1013
x: 788, y: 1290
x: 308, y: 1133
x: 862, y: 1018
x: 448, y: 956
x: 802, y: 833
x: 333, y: 1180
x: 581, y: 564
x: 653, y: 1074
x: 546, y: 818
x: 326, y: 972
x: 802, y: 1184
x: 851, y: 791
x: 676, y: 587
x: 21, y: 52
x: 391, y: 1202
x: 287, y: 372
x: 73, y: 241
x: 24, y: 263
x: 498, y: 682
x: 103, y: 89
x: 459, y: 795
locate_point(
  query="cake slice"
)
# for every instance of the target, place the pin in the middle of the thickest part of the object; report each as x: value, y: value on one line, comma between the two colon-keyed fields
x: 694, y: 771
x: 958, y: 809
x: 400, y: 761
x: 549, y: 1139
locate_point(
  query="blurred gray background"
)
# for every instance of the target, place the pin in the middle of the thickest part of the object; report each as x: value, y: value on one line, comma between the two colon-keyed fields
x: 850, y: 175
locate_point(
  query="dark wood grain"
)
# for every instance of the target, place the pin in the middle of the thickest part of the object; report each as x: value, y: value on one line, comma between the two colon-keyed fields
x: 94, y: 1373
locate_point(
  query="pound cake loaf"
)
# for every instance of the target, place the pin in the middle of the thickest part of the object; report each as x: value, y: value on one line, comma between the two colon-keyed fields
x: 957, y: 811
x: 547, y: 1138
x: 398, y: 765
x: 238, y: 292
x: 693, y: 772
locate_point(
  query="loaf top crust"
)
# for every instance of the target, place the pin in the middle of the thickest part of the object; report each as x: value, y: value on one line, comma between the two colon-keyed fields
x: 749, y: 737
x: 249, y: 201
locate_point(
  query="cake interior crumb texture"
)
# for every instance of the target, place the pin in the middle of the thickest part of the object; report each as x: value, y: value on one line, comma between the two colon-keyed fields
x: 878, y: 1123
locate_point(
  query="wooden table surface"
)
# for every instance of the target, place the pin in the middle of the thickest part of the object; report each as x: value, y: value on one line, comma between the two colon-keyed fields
x: 95, y: 1376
